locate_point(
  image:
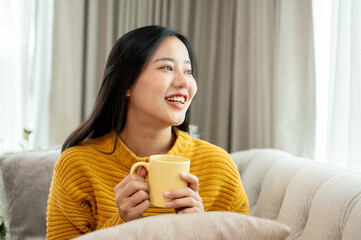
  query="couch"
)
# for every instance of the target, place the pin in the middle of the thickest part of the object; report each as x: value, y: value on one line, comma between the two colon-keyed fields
x: 291, y: 197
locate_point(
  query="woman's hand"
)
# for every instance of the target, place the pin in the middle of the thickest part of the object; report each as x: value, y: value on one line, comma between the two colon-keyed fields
x: 186, y: 200
x: 131, y: 195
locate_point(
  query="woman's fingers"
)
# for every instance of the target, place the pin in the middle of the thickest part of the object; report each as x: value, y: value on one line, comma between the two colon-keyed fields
x: 135, y: 212
x: 186, y: 200
x: 193, y: 181
x: 142, y: 172
x: 130, y: 185
x: 183, y: 202
x: 141, y: 207
x: 189, y: 210
x: 138, y: 197
x: 131, y: 196
x: 181, y: 193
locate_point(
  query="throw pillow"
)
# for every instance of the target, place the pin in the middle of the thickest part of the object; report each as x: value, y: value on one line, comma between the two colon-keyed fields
x: 26, y: 179
x: 208, y: 225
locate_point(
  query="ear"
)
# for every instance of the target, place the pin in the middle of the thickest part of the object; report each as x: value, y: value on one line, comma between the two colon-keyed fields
x: 128, y: 93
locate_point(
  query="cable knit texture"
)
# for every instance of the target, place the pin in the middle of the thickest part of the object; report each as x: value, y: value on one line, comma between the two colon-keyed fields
x: 81, y: 197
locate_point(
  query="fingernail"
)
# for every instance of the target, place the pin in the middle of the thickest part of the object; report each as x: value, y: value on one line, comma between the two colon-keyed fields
x: 166, y: 194
x: 168, y: 204
x: 184, y: 174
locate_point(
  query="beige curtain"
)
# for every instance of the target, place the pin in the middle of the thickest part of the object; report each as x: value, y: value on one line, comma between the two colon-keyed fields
x: 256, y: 74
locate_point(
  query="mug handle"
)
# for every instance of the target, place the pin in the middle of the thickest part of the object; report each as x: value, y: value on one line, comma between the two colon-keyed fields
x: 138, y: 164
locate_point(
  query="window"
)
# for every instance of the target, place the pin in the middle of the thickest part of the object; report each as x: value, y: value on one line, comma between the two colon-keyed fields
x: 337, y: 32
x: 25, y: 57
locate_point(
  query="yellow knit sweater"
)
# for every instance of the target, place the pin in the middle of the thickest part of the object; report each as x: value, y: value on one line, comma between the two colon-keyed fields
x: 81, y: 197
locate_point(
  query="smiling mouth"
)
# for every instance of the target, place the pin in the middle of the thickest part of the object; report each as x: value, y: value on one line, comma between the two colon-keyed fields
x: 179, y: 99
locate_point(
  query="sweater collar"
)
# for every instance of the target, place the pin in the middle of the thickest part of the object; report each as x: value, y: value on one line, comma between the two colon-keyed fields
x: 128, y: 158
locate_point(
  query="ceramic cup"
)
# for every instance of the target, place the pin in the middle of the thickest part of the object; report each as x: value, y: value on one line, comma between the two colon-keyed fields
x: 163, y: 175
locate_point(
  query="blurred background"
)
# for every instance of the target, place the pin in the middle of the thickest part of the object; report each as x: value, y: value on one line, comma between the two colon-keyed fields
x: 281, y: 74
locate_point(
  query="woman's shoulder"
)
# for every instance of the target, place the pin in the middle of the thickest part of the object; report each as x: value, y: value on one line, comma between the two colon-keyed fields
x: 199, y: 145
x: 73, y: 158
x: 211, y: 156
x: 202, y: 146
x: 211, y: 160
x: 87, y: 151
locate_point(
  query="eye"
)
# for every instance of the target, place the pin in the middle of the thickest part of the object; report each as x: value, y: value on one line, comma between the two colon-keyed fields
x: 189, y: 72
x: 169, y: 68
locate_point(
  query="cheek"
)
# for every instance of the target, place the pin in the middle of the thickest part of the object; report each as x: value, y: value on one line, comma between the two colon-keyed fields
x: 193, y: 88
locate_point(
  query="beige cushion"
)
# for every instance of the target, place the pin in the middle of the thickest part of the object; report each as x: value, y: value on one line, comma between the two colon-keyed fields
x: 209, y: 225
x: 26, y: 178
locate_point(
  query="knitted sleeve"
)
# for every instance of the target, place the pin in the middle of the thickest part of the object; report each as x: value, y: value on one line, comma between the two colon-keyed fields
x: 240, y: 203
x: 220, y: 184
x: 66, y: 216
x: 115, y: 220
x: 71, y: 209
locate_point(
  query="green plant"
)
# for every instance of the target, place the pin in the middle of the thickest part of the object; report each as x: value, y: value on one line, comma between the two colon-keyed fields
x: 2, y: 228
x: 26, y: 134
x: 25, y: 144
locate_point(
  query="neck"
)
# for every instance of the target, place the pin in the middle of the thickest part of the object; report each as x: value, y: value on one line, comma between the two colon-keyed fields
x: 144, y: 141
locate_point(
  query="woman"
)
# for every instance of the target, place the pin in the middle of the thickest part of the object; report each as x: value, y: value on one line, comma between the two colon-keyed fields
x: 142, y: 109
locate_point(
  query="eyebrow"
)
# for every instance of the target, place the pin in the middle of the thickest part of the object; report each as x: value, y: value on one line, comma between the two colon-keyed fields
x: 171, y: 60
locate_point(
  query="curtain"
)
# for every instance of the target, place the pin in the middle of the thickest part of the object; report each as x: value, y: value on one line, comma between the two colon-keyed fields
x: 273, y: 82
x: 339, y: 97
x: 256, y: 74
x: 25, y: 50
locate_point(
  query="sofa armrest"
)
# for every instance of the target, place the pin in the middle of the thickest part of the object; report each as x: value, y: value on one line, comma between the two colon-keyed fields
x: 316, y: 200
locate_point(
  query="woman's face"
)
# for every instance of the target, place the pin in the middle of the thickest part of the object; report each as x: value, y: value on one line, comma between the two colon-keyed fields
x: 165, y: 88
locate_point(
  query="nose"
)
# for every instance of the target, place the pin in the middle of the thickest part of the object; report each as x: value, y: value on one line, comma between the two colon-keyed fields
x: 180, y: 80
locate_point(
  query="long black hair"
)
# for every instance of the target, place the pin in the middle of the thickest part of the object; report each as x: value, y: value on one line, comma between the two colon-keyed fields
x: 125, y: 63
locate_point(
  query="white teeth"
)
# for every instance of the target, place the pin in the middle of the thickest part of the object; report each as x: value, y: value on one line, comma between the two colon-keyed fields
x: 176, y: 99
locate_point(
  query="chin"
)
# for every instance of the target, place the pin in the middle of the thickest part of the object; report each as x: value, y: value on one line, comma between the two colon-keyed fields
x: 176, y: 119
x: 178, y: 122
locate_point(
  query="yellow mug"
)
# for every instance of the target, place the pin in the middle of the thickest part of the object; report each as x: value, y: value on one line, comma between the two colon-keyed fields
x: 164, y: 175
